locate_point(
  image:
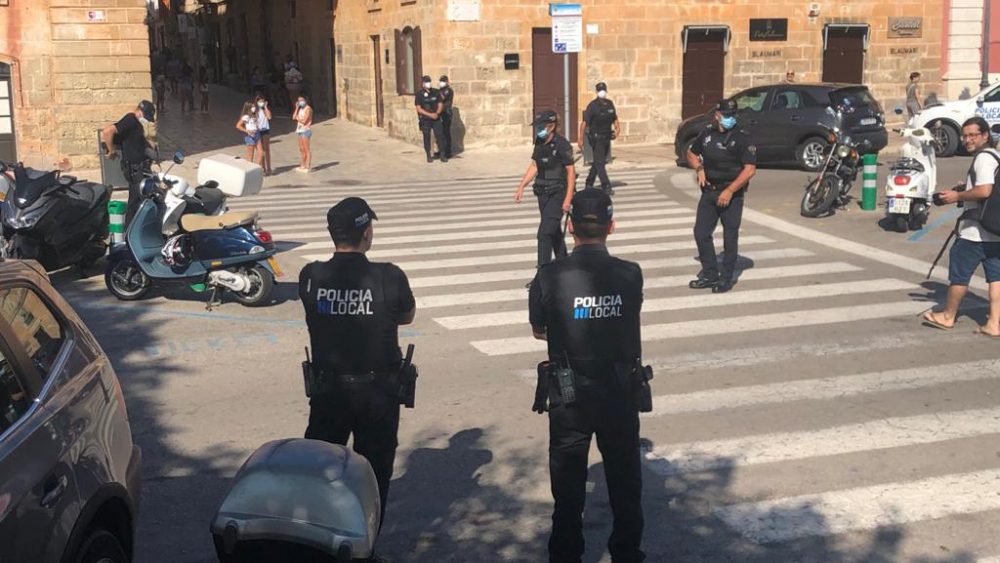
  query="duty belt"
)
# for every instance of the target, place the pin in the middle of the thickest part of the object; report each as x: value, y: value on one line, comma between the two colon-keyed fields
x: 354, y: 378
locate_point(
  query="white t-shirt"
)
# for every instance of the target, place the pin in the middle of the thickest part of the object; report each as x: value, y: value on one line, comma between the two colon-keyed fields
x: 985, y: 168
x: 250, y: 123
x: 262, y: 121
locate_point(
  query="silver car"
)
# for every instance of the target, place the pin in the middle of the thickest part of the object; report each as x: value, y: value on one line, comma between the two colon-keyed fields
x: 69, y: 472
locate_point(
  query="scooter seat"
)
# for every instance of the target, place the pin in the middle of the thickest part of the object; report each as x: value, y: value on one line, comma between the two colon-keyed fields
x: 192, y: 223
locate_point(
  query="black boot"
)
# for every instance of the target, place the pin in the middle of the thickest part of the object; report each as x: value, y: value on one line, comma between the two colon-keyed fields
x: 723, y: 285
x: 703, y: 283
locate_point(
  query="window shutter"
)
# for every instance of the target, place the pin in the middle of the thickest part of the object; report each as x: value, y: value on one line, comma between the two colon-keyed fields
x: 400, y: 63
x: 418, y: 65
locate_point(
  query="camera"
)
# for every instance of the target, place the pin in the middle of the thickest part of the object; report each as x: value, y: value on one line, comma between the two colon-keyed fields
x: 937, y: 199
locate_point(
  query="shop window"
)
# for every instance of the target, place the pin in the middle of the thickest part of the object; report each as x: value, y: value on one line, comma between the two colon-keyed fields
x: 409, y: 69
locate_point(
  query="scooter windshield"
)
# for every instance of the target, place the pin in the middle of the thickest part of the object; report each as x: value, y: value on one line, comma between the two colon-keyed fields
x: 29, y: 185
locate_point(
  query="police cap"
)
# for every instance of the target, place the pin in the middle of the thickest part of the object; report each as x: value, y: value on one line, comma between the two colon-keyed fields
x: 148, y: 110
x: 349, y: 216
x: 444, y: 78
x: 427, y: 78
x: 591, y: 205
x: 545, y: 117
x: 726, y: 106
x: 601, y: 86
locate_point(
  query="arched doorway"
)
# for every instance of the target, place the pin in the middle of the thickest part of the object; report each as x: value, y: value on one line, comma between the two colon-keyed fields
x: 8, y: 141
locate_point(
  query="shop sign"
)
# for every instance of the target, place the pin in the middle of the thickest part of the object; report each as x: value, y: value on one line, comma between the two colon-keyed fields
x: 905, y: 27
x: 770, y: 29
x: 767, y: 54
x: 903, y: 50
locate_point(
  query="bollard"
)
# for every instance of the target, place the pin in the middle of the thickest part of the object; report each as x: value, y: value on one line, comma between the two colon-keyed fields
x: 869, y: 183
x: 116, y: 210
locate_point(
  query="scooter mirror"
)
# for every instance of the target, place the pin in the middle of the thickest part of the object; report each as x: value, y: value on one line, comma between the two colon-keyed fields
x: 898, y: 110
x: 178, y: 157
x: 149, y: 187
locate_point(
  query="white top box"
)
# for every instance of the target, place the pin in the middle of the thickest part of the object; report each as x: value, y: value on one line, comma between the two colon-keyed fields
x: 236, y: 177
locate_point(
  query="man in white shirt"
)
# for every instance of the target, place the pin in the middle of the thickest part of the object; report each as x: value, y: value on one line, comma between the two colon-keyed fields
x: 974, y: 245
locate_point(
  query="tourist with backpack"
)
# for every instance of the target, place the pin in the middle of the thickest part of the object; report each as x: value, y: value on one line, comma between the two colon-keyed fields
x: 977, y: 230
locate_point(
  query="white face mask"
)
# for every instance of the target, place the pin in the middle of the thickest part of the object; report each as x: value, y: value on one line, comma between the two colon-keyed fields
x: 260, y: 104
x: 602, y: 94
x: 143, y: 121
x: 427, y: 85
x: 442, y: 84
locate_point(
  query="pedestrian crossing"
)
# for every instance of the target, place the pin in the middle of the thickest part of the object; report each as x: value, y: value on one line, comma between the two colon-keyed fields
x: 835, y: 415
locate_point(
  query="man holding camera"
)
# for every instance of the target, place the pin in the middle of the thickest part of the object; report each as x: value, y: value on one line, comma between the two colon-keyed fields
x: 974, y: 245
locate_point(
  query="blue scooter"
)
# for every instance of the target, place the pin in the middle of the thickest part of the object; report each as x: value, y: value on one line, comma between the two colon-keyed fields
x: 221, y: 252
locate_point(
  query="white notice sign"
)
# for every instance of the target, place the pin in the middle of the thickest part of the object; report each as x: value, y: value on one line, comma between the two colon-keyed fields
x: 96, y: 16
x: 463, y: 10
x: 567, y: 28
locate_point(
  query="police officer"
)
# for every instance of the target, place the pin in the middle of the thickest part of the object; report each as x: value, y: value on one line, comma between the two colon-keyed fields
x: 448, y: 98
x: 129, y: 133
x: 553, y: 169
x: 600, y: 124
x: 725, y: 159
x: 353, y: 310
x: 587, y: 308
x: 430, y: 106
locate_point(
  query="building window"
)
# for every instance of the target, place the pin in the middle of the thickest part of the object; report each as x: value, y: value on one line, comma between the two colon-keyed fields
x: 408, y: 60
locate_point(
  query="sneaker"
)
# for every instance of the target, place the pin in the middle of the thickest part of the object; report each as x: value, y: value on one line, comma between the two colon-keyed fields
x: 703, y: 283
x: 723, y: 286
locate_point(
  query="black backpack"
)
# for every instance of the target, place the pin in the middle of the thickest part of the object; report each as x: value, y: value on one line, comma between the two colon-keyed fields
x: 988, y: 212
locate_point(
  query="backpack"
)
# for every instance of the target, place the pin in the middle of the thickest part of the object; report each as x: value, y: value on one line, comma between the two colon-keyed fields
x: 988, y: 212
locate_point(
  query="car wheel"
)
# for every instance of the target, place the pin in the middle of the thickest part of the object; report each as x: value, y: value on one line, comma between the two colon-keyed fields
x: 811, y: 153
x: 946, y: 136
x: 101, y: 546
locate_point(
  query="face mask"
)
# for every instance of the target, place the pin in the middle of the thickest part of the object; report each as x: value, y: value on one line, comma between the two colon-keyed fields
x: 143, y: 121
x: 728, y: 122
x: 302, y: 104
x: 427, y: 85
x: 260, y: 104
x: 602, y: 94
x: 542, y: 133
x: 442, y: 84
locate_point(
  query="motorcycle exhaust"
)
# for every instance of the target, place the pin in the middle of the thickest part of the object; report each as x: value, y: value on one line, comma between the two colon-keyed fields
x: 230, y: 280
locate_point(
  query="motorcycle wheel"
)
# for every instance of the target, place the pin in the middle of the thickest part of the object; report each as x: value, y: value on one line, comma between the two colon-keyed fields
x: 261, y: 284
x: 902, y: 223
x: 819, y: 197
x: 126, y: 280
x: 918, y: 218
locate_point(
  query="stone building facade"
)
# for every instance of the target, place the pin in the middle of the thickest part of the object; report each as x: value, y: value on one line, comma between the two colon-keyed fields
x: 962, y: 60
x: 68, y: 67
x: 661, y: 59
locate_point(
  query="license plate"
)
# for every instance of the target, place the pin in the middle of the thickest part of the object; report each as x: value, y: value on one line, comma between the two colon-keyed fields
x: 274, y: 266
x: 869, y: 121
x: 899, y: 205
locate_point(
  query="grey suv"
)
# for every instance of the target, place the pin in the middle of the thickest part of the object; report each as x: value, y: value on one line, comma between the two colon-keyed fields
x: 69, y: 472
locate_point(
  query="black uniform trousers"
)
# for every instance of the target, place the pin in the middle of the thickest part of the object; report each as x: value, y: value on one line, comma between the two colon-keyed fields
x: 551, y: 239
x: 369, y: 411
x: 607, y: 413
x: 601, y: 145
x: 708, y: 217
x: 134, y: 174
x: 446, y: 131
x: 426, y: 127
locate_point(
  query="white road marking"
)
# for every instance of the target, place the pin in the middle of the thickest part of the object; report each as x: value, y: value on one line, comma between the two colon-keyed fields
x: 674, y: 459
x: 865, y: 508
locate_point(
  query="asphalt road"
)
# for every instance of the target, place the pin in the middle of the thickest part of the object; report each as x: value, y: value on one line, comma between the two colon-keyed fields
x: 805, y: 416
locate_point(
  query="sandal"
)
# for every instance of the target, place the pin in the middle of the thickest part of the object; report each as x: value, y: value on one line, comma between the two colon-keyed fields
x: 928, y: 320
x: 980, y: 331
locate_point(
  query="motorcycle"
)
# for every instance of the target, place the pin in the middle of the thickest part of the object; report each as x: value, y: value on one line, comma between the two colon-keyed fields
x: 831, y: 186
x: 225, y: 252
x: 52, y: 218
x: 912, y: 179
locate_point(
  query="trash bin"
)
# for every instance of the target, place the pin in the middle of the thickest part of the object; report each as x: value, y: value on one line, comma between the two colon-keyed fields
x: 317, y: 500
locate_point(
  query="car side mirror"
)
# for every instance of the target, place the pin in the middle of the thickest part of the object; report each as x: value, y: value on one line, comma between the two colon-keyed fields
x: 178, y: 157
x: 980, y: 100
x: 995, y: 129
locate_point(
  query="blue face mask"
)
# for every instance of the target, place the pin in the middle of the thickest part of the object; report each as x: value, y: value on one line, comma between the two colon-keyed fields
x: 727, y: 122
x: 542, y: 133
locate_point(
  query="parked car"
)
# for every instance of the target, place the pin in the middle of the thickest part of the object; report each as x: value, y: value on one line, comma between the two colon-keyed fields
x: 783, y: 120
x: 945, y: 119
x: 69, y: 472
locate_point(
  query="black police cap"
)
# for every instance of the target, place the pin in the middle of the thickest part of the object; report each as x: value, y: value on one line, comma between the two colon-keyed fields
x: 349, y: 216
x: 444, y: 78
x: 591, y: 205
x: 148, y: 110
x: 426, y: 78
x: 726, y: 106
x: 545, y: 117
x: 601, y: 86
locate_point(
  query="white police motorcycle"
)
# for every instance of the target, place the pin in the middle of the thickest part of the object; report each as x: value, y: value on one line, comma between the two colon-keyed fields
x: 912, y: 179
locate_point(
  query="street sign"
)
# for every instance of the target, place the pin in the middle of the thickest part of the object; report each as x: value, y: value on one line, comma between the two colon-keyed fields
x: 567, y: 27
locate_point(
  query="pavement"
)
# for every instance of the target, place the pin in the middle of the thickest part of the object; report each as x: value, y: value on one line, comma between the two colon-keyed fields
x: 805, y: 416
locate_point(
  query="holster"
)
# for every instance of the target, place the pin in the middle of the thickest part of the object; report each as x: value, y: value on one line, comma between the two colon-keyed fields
x: 408, y: 385
x: 556, y: 386
x: 634, y: 378
x: 548, y: 188
x: 541, y: 405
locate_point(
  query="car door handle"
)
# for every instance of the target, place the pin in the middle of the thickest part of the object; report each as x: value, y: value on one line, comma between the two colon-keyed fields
x: 54, y: 490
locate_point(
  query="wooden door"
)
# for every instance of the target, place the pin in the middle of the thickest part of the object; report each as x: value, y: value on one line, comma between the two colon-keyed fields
x: 844, y: 58
x: 548, y: 82
x: 379, y: 103
x: 704, y: 71
x: 8, y: 141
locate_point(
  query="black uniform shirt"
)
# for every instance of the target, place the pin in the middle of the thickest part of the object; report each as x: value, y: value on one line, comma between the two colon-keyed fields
x: 428, y: 100
x: 130, y: 134
x: 448, y: 97
x: 353, y: 308
x: 724, y: 153
x: 552, y: 158
x: 589, y: 303
x: 599, y: 116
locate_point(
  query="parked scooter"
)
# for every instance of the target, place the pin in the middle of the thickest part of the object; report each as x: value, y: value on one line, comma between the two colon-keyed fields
x: 220, y: 252
x: 182, y: 198
x: 831, y: 186
x: 912, y: 179
x: 54, y: 219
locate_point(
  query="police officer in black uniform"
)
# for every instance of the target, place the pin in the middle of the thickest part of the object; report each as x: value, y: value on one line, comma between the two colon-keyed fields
x: 129, y: 133
x: 553, y: 169
x: 587, y: 307
x: 430, y: 106
x: 600, y: 124
x: 353, y: 310
x: 725, y: 159
x: 448, y: 98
